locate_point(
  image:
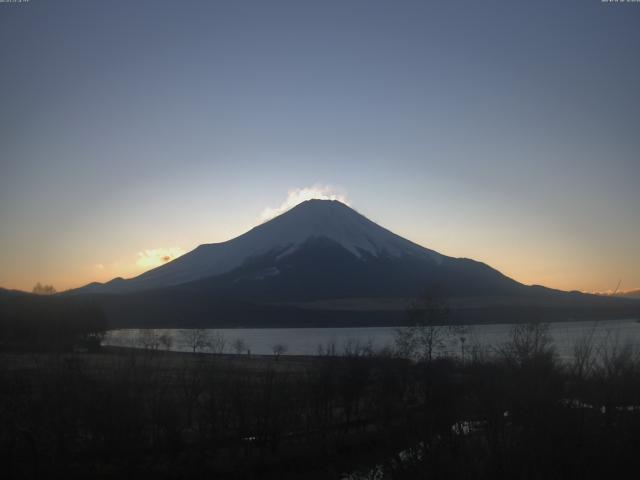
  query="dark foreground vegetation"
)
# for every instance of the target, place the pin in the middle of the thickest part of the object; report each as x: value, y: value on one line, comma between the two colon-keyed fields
x: 37, y: 323
x: 71, y: 409
x: 515, y: 412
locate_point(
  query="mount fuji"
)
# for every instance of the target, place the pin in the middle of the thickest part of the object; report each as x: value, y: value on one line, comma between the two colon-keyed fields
x: 319, y: 263
x: 311, y: 241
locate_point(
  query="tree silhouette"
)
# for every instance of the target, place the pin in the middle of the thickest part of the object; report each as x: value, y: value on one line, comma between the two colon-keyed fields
x: 40, y: 289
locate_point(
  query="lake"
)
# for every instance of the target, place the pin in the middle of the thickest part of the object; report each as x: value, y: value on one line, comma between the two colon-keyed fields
x: 306, y: 341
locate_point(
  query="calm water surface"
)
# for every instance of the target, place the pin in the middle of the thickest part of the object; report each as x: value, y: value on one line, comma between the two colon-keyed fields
x: 305, y: 341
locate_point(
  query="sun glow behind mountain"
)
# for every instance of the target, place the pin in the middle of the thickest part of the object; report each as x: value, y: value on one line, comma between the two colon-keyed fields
x: 299, y: 195
x: 154, y: 257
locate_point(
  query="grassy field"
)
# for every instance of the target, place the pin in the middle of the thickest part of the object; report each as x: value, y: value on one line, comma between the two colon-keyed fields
x: 144, y: 413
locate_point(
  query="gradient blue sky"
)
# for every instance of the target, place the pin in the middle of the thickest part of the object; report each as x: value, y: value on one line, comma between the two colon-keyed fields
x: 508, y: 132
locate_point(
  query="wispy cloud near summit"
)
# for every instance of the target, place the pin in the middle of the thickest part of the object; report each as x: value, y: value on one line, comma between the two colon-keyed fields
x: 299, y: 195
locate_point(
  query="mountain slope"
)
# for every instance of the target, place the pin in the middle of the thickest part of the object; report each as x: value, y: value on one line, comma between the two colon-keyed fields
x: 283, y: 235
x: 321, y: 268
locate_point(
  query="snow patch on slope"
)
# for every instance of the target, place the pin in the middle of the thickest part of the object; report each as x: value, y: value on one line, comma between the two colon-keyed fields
x: 282, y: 235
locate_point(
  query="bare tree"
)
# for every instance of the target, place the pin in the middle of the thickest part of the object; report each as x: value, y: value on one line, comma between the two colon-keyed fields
x: 428, y: 327
x: 279, y: 349
x: 217, y: 343
x: 459, y: 335
x: 527, y: 342
x: 148, y: 338
x: 40, y: 289
x: 584, y: 355
x: 406, y: 341
x: 195, y: 338
x: 166, y: 341
x: 354, y: 347
x: 328, y: 350
x: 239, y: 346
x: 614, y: 356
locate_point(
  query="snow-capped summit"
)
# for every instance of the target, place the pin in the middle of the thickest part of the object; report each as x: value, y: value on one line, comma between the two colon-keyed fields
x: 310, y: 220
x: 335, y: 221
